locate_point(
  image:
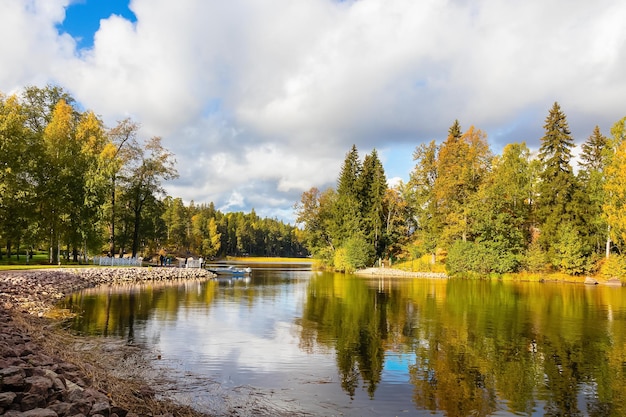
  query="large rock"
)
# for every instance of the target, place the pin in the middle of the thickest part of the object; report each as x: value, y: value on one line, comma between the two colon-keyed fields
x: 6, y: 399
x: 12, y: 379
x: 39, y: 385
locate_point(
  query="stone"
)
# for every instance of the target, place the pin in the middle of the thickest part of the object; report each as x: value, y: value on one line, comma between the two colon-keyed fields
x: 7, y: 351
x: 96, y: 396
x: 117, y: 411
x: 40, y: 412
x: 31, y: 401
x: 60, y: 408
x: 6, y: 399
x: 12, y: 379
x: 38, y: 385
x: 40, y: 360
x: 79, y: 407
x: 101, y: 408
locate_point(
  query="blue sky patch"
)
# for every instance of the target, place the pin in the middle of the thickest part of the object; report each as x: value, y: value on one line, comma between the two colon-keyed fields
x: 82, y: 18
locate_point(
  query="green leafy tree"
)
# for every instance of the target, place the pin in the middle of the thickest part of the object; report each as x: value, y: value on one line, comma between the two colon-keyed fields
x: 501, y: 208
x: 17, y: 193
x: 122, y: 149
x: 424, y: 214
x: 155, y: 165
x: 315, y: 213
x: 570, y: 250
x: 90, y: 190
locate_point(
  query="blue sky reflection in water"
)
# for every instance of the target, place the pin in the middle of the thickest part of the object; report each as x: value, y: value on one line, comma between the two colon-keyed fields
x: 338, y: 345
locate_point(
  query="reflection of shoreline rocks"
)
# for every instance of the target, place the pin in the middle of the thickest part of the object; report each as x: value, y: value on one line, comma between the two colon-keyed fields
x: 391, y: 272
x: 34, y: 380
x: 36, y: 291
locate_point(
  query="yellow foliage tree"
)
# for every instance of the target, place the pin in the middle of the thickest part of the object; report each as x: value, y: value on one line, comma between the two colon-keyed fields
x: 615, y: 187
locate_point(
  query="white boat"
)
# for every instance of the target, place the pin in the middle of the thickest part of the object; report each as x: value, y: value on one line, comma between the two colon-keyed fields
x: 229, y: 270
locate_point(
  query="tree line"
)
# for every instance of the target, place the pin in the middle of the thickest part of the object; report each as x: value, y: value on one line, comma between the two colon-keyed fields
x: 480, y: 212
x: 72, y: 186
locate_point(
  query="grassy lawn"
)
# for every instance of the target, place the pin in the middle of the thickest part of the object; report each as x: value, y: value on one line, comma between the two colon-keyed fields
x: 37, y: 261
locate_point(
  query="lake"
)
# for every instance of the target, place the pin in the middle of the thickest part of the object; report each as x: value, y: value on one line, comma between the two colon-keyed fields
x: 292, y: 341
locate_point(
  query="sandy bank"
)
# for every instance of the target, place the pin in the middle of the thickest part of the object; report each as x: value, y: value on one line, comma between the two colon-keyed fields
x: 391, y: 272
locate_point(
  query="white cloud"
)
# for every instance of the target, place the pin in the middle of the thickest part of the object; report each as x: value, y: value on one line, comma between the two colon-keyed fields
x: 261, y: 100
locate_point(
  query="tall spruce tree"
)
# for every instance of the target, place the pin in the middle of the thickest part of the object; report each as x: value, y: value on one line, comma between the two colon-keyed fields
x: 372, y: 186
x: 593, y: 161
x: 557, y: 180
x: 348, y: 217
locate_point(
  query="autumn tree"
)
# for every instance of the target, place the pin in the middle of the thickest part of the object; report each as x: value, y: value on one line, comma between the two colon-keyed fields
x: 462, y: 163
x: 615, y: 186
x: 57, y: 186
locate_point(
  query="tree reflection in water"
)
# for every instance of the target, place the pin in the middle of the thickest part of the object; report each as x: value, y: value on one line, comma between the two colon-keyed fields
x: 474, y: 347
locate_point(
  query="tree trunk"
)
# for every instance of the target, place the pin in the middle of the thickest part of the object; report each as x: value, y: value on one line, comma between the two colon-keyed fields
x: 608, y: 242
x: 136, y: 224
x: 112, y: 223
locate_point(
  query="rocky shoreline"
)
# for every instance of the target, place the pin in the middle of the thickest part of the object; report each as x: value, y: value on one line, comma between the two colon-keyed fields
x: 37, y: 375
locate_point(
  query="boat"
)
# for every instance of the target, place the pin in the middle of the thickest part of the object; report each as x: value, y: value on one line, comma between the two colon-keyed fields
x: 230, y: 270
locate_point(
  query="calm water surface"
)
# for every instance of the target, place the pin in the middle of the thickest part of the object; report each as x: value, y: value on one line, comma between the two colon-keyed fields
x: 328, y: 344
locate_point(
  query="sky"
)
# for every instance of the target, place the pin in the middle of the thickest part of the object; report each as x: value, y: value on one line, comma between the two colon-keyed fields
x: 260, y: 100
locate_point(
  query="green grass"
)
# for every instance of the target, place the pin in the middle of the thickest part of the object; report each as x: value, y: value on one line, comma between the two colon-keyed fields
x: 39, y: 260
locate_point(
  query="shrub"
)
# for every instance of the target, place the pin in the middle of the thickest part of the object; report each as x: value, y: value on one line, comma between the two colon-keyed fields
x: 614, y: 267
